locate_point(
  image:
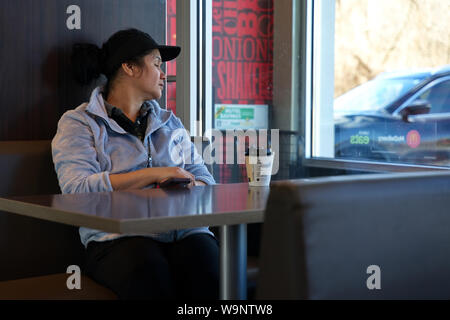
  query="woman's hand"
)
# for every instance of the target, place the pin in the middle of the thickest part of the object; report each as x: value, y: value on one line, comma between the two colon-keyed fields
x: 165, y: 173
x: 144, y: 177
x: 176, y: 172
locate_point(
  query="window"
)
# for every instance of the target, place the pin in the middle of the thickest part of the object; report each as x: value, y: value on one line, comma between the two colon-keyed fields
x: 242, y: 73
x: 234, y: 74
x: 438, y: 96
x: 380, y: 81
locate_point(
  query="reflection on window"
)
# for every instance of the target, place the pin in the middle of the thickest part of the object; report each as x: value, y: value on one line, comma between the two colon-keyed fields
x: 373, y: 95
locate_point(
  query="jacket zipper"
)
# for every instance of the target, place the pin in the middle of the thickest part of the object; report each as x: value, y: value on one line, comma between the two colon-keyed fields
x: 149, y: 154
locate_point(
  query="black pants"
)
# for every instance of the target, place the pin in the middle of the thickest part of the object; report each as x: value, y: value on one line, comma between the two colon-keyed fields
x: 142, y: 268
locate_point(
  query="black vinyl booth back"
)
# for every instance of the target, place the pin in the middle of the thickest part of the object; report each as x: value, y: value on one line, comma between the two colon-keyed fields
x: 321, y: 238
x: 32, y: 247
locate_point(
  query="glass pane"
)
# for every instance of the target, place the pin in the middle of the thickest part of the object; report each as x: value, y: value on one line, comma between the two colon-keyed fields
x: 391, y: 82
x: 242, y: 71
x: 438, y: 97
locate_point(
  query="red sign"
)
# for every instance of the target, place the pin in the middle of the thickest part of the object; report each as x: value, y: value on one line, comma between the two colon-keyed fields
x: 171, y: 65
x: 242, y: 51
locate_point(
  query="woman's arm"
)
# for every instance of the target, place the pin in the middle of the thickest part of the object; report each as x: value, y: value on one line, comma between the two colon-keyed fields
x: 195, y: 164
x: 145, y: 177
x: 75, y: 157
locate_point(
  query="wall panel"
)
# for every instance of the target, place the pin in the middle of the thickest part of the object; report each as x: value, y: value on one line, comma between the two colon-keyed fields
x: 36, y: 85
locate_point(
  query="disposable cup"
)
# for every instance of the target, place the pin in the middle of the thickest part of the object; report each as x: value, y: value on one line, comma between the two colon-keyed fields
x: 259, y: 169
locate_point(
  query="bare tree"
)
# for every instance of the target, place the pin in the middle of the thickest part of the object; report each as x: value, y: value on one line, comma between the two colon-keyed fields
x: 373, y: 36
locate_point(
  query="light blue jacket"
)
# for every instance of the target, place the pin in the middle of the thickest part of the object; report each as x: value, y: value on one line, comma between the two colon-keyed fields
x: 89, y: 146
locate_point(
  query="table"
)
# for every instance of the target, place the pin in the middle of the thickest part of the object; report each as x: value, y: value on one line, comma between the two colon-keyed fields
x: 229, y: 206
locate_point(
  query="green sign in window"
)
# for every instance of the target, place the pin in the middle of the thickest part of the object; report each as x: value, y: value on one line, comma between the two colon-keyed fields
x: 236, y: 113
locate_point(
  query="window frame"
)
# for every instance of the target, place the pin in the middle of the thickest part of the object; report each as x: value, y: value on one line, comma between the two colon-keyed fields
x: 187, y: 61
x: 193, y: 96
x: 310, y: 55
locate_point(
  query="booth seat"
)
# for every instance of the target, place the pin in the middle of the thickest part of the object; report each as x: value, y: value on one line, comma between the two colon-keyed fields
x: 35, y: 254
x: 377, y: 236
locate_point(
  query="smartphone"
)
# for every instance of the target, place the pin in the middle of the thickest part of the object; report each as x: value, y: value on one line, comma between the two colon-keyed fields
x: 175, y: 183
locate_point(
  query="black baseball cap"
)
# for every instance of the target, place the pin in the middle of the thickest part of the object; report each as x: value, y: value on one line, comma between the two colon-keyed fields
x: 127, y: 44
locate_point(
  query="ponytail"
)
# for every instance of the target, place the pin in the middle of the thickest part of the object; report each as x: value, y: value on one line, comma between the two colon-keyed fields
x: 89, y: 61
x: 86, y: 62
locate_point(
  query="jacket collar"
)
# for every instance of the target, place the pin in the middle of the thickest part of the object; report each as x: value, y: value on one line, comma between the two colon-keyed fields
x: 157, y: 117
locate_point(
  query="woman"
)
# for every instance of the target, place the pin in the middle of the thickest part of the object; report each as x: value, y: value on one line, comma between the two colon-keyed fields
x: 122, y: 139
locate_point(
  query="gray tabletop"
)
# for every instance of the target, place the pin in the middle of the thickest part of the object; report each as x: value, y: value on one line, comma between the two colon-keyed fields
x: 147, y: 211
